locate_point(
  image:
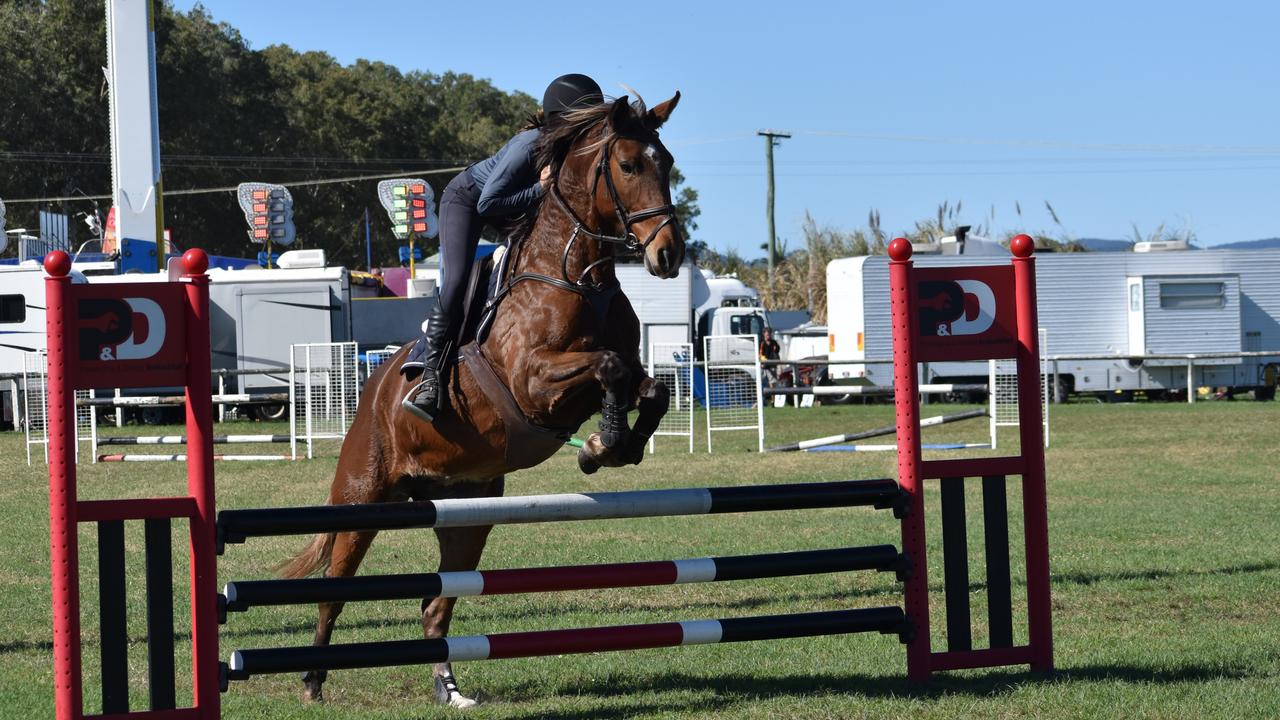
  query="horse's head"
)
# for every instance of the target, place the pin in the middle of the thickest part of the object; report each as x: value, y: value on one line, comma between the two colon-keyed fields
x: 627, y: 171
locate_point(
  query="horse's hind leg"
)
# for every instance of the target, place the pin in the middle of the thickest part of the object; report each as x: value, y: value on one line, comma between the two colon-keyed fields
x: 349, y: 549
x: 460, y: 550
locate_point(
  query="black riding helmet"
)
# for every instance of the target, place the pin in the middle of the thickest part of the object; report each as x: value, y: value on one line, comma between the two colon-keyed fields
x: 570, y: 92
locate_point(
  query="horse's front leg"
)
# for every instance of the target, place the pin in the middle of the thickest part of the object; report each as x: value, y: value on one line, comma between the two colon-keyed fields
x: 562, y: 376
x: 609, y: 444
x: 652, y: 399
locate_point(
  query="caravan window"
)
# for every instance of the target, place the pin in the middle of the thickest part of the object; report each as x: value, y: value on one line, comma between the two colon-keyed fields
x: 1192, y: 295
x: 13, y: 309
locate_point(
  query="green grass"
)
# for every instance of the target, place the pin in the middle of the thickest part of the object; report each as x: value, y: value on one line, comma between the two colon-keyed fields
x: 1164, y: 521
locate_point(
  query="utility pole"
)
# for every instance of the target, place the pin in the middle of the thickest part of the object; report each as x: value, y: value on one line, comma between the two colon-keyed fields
x: 771, y: 138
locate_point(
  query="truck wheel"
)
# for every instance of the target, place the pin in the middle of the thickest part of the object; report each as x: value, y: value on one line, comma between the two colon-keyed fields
x: 273, y: 412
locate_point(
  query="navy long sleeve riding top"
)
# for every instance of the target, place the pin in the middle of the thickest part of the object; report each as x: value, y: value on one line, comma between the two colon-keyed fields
x: 508, y: 181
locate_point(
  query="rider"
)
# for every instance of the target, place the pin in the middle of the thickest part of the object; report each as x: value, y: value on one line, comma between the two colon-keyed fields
x: 504, y: 185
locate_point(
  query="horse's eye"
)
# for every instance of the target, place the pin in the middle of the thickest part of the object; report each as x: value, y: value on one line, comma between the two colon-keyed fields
x: 627, y: 167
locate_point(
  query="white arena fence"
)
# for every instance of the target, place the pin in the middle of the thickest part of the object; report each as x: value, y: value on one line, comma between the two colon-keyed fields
x: 1003, y: 381
x: 732, y: 391
x: 373, y: 359
x: 673, y: 364
x: 324, y: 391
x: 35, y: 407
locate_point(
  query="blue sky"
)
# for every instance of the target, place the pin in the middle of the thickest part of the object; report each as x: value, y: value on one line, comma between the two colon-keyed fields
x: 1116, y: 113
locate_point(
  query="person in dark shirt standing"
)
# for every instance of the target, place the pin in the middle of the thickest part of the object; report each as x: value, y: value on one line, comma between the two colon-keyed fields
x: 501, y: 186
x: 769, y: 351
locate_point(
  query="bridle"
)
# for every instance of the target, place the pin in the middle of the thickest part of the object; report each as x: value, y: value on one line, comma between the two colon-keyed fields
x: 598, y: 295
x: 630, y: 243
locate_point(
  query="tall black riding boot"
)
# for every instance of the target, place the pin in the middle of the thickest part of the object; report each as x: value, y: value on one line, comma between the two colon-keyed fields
x: 423, y: 400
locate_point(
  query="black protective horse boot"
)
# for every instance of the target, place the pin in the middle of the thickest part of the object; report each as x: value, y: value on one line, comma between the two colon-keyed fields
x: 423, y: 400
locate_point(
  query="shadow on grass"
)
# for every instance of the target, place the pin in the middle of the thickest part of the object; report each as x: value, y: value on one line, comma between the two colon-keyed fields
x: 1123, y: 575
x: 728, y: 690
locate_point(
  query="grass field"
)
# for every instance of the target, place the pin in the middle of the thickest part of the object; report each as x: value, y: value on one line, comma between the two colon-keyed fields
x: 1164, y: 524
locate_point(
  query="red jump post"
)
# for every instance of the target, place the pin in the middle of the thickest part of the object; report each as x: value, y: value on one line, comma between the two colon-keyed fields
x: 971, y: 313
x: 131, y: 335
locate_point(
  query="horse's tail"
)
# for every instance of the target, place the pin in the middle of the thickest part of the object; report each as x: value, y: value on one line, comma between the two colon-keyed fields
x: 313, y: 557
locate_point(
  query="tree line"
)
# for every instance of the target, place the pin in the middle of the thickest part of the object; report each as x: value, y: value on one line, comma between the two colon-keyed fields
x: 229, y: 114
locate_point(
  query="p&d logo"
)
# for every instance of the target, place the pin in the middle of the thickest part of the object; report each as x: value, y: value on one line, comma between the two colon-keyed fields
x: 956, y: 307
x: 120, y: 329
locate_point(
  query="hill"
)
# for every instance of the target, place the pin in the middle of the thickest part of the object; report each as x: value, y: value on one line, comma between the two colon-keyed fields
x: 1263, y: 244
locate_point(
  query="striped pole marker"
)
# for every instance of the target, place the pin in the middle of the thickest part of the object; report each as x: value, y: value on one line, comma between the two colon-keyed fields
x: 925, y: 389
x: 242, y: 595
x: 183, y: 458
x: 875, y: 432
x: 235, y: 526
x: 182, y: 440
x: 248, y: 663
x: 894, y: 448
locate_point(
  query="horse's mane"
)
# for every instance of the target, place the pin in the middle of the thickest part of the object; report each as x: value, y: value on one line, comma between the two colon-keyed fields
x: 559, y: 135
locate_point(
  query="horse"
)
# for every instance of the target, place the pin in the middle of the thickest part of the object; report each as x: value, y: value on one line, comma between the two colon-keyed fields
x: 562, y: 345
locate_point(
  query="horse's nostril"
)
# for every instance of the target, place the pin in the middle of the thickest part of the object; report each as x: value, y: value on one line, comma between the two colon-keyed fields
x: 664, y: 255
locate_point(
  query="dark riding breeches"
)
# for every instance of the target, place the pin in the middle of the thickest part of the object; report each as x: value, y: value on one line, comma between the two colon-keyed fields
x: 460, y: 226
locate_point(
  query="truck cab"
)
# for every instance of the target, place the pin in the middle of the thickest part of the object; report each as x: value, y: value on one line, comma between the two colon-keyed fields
x: 724, y: 306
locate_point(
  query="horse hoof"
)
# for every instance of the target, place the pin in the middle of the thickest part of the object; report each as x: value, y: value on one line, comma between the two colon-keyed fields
x: 447, y: 693
x: 312, y: 686
x: 587, y: 464
x: 462, y: 703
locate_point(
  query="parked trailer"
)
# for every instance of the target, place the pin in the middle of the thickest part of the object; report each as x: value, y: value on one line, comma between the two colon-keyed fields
x: 1114, y: 304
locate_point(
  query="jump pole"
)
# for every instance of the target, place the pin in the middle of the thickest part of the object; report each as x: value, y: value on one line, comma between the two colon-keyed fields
x: 182, y: 440
x: 241, y: 595
x: 894, y: 448
x: 875, y: 432
x: 235, y: 526
x: 247, y: 663
x: 183, y: 458
x: 873, y: 389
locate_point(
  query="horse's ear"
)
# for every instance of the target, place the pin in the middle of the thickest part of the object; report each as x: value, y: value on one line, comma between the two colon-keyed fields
x: 656, y: 117
x: 619, y: 114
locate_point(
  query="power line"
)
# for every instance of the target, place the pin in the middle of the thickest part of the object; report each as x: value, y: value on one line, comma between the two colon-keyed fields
x: 181, y: 157
x: 232, y: 188
x: 1063, y: 144
x: 982, y: 173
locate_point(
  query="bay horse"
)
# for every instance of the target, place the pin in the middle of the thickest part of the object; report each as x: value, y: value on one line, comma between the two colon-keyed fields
x: 563, y: 345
